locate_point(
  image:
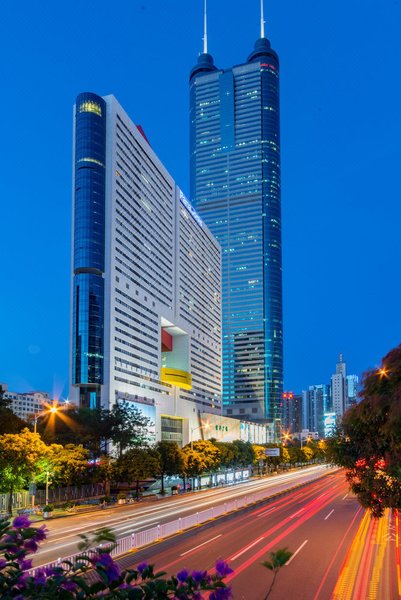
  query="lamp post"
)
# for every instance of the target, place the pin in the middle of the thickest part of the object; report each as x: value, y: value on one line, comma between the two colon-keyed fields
x: 53, y: 409
x: 205, y: 426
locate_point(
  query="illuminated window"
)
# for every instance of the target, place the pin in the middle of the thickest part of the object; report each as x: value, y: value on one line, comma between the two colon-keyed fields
x: 90, y: 106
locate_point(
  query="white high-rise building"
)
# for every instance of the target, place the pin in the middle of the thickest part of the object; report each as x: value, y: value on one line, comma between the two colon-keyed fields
x: 146, y: 297
x: 339, y: 387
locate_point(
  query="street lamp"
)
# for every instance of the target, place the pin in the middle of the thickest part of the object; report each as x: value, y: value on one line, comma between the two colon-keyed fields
x: 205, y: 426
x: 52, y: 410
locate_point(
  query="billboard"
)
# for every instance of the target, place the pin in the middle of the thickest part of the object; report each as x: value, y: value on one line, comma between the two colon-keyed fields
x: 272, y: 451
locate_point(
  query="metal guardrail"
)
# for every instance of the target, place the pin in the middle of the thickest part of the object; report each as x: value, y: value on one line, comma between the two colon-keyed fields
x: 154, y: 534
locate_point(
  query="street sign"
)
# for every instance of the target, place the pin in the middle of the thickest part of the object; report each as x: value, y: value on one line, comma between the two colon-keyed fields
x: 32, y: 489
x: 272, y: 452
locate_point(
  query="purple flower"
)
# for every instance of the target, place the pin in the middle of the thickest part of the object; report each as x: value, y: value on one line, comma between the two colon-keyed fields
x: 182, y: 575
x: 68, y: 585
x: 40, y: 534
x: 111, y: 569
x: 30, y: 545
x: 3, y: 563
x: 222, y: 569
x: 26, y: 564
x: 221, y: 593
x: 198, y: 576
x: 40, y: 577
x: 22, y: 522
x: 141, y: 567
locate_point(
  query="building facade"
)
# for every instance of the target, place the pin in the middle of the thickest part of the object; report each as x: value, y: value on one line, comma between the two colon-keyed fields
x: 292, y: 412
x: 235, y: 187
x: 26, y: 404
x: 146, y: 280
x: 316, y: 403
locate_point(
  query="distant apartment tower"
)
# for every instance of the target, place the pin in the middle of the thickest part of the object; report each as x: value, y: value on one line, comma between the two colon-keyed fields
x: 316, y: 401
x: 339, y: 387
x: 292, y: 412
x: 352, y: 391
x: 235, y: 187
x: 26, y: 404
x: 146, y: 279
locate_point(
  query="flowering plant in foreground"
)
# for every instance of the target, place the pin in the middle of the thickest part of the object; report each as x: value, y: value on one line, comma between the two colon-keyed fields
x: 69, y: 581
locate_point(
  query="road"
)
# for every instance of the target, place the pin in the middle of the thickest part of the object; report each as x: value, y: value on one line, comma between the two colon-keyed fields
x: 64, y: 532
x: 339, y: 552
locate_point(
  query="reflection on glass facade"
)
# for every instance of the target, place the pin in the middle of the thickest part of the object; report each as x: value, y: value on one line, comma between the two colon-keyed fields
x: 89, y: 239
x: 235, y: 187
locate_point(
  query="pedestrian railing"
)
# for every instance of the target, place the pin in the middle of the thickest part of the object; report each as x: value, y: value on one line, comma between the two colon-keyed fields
x: 148, y: 536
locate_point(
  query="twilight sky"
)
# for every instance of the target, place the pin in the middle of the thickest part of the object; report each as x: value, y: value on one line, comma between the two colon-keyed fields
x: 340, y: 150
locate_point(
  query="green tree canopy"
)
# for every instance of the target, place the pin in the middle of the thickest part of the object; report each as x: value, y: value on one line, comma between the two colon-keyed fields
x: 65, y: 465
x: 171, y: 460
x: 368, y: 440
x: 128, y: 427
x: 136, y: 465
x: 20, y: 454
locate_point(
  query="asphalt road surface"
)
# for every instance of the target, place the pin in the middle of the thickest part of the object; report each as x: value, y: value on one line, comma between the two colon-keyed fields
x: 64, y: 532
x: 339, y: 552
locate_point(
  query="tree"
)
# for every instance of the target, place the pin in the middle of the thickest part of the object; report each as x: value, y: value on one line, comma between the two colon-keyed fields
x: 368, y: 440
x: 80, y: 426
x: 136, y: 465
x: 195, y: 462
x: 244, y: 453
x: 19, y: 460
x: 65, y: 464
x: 129, y: 427
x: 171, y: 460
x: 9, y: 422
x: 208, y: 452
x: 277, y: 560
x: 227, y: 453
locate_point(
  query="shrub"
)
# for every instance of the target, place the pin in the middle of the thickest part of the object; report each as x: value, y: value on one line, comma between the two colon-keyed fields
x: 66, y: 581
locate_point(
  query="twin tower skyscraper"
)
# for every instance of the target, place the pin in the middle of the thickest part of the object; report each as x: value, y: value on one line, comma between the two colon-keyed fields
x: 235, y: 187
x: 160, y: 311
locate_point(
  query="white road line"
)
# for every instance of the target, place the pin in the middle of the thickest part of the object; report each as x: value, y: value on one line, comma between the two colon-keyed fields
x: 266, y: 511
x: 200, y: 545
x: 327, y: 516
x: 247, y: 548
x: 297, y: 513
x: 345, y: 496
x: 295, y: 553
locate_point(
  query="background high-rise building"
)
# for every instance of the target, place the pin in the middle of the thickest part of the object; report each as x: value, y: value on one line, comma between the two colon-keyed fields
x: 292, y: 412
x: 339, y: 387
x: 146, y: 288
x: 235, y: 187
x: 316, y: 401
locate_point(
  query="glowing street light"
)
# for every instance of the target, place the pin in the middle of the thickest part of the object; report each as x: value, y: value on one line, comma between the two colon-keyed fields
x: 206, y: 426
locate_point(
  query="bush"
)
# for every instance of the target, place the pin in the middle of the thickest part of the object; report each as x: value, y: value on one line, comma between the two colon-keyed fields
x: 66, y: 581
x: 48, y: 508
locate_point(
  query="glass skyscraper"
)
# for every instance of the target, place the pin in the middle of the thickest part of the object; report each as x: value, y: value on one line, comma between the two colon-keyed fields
x: 235, y: 187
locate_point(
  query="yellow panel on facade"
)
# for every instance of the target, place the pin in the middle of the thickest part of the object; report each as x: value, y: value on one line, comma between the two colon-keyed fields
x: 181, y: 379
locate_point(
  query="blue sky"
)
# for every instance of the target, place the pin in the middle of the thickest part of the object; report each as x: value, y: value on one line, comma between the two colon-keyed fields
x: 341, y: 126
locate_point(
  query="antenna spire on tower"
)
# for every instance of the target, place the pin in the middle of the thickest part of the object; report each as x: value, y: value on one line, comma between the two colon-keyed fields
x: 262, y: 20
x: 205, y: 28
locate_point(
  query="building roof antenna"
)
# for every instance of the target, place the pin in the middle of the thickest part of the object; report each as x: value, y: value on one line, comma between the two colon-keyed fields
x: 262, y: 20
x: 205, y: 28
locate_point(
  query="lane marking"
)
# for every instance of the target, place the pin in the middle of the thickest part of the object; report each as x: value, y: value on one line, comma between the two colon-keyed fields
x: 247, y: 548
x: 200, y: 545
x: 327, y: 516
x: 295, y: 553
x: 297, y: 513
x: 266, y: 511
x: 345, y: 495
